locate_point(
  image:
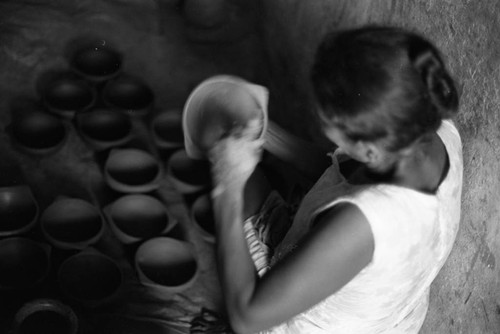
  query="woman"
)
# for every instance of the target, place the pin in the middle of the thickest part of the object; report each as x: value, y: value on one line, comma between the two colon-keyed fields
x: 365, y: 246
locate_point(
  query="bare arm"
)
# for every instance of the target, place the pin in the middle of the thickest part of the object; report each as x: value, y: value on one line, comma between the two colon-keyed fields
x: 338, y: 247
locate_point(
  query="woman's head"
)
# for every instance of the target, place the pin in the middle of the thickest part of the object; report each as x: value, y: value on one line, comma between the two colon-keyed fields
x: 382, y: 85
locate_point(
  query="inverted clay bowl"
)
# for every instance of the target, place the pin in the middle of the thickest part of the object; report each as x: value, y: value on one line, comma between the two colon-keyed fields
x: 38, y: 132
x: 167, y: 265
x: 90, y: 278
x: 24, y: 263
x: 96, y: 62
x: 137, y: 217
x: 18, y: 210
x: 205, y: 13
x: 166, y: 128
x: 104, y: 128
x: 68, y: 95
x: 132, y: 170
x: 216, y: 107
x: 71, y: 223
x: 129, y: 94
x: 45, y: 316
x: 188, y: 175
x: 203, y: 217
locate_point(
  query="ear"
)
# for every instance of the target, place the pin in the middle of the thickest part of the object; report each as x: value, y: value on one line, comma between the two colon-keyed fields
x: 370, y: 154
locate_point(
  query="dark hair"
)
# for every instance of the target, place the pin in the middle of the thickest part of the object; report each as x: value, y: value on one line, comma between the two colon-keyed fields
x: 382, y: 84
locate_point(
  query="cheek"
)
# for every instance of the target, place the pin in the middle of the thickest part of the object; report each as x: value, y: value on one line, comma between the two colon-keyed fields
x: 349, y: 148
x: 337, y: 138
x: 353, y: 154
x: 333, y: 136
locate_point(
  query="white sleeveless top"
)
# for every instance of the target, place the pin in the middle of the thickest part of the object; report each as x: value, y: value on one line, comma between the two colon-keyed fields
x: 413, y: 234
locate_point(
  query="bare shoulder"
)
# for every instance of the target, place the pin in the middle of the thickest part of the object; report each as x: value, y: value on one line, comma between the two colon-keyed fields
x: 341, y: 216
x: 345, y: 229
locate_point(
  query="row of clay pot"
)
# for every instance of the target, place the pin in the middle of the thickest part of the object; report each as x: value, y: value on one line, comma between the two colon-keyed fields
x: 89, y: 278
x: 136, y: 217
x: 94, y: 92
x: 104, y: 128
x: 136, y: 171
x: 164, y: 264
x: 73, y: 223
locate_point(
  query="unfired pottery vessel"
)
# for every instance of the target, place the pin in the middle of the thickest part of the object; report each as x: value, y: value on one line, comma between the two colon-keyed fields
x: 18, y: 210
x: 24, y: 263
x: 90, y: 278
x: 188, y: 175
x: 166, y: 129
x: 66, y: 95
x: 37, y: 132
x: 45, y: 316
x: 129, y: 94
x: 96, y: 62
x: 166, y: 265
x: 71, y: 223
x: 103, y: 128
x: 218, y: 106
x: 202, y: 216
x: 138, y: 217
x: 131, y: 170
x: 205, y: 13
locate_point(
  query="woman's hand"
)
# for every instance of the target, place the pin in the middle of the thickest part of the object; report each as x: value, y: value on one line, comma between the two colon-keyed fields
x: 235, y: 157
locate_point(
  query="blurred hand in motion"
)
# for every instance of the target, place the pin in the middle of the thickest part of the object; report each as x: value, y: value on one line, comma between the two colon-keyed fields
x: 235, y: 157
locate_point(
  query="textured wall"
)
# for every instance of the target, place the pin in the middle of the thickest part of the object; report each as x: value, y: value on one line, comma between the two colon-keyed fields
x: 465, y: 298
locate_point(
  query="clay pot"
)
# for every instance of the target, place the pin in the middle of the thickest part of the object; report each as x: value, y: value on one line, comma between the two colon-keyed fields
x: 128, y: 94
x: 216, y: 107
x: 96, y: 62
x: 132, y: 171
x: 219, y: 22
x: 104, y: 128
x: 137, y: 217
x: 205, y: 13
x: 66, y: 95
x: 38, y: 132
x: 166, y: 265
x: 90, y: 278
x: 18, y: 210
x: 188, y: 175
x: 72, y: 223
x: 45, y: 316
x: 166, y: 129
x: 202, y: 216
x: 24, y: 263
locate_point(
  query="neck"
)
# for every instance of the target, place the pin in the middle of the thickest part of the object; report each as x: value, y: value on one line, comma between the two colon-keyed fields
x: 422, y: 168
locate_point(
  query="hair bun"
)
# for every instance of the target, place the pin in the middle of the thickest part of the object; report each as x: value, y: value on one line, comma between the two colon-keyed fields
x: 439, y: 84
